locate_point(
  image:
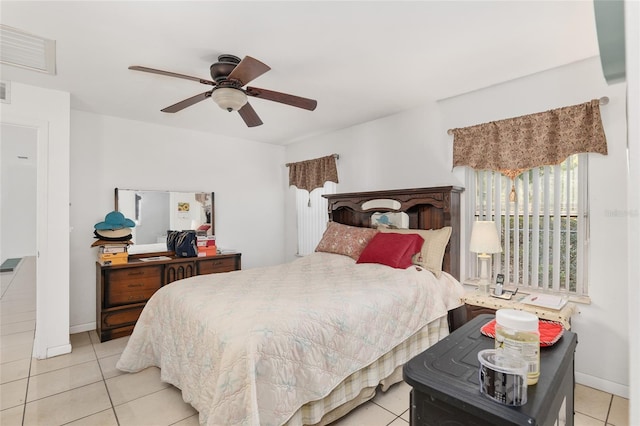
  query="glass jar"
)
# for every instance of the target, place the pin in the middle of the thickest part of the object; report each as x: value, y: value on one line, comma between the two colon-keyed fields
x: 518, y: 335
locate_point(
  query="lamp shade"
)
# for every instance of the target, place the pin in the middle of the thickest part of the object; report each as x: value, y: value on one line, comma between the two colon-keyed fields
x: 484, y: 238
x: 229, y: 98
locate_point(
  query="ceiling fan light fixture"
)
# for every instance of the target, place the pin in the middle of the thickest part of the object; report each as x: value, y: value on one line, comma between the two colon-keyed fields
x: 229, y: 98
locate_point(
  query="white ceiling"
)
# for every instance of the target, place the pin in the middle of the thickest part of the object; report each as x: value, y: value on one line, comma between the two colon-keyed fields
x: 359, y: 60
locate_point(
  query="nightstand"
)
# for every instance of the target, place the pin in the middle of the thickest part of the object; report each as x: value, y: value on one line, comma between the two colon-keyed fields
x: 477, y: 304
x: 446, y: 388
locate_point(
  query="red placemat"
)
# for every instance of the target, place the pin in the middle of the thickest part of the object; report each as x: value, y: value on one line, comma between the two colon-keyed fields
x: 550, y: 331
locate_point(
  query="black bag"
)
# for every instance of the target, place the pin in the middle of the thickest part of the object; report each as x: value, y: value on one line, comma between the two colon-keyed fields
x: 171, y: 240
x: 186, y: 244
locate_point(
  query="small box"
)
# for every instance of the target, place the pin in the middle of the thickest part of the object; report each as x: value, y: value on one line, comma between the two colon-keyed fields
x: 206, y: 243
x: 114, y: 261
x: 113, y: 256
x: 207, y: 251
x: 113, y: 249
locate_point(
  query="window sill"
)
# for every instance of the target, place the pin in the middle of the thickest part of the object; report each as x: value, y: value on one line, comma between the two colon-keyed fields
x: 583, y: 300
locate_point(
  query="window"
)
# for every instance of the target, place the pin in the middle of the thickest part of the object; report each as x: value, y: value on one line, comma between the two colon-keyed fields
x: 312, y: 216
x: 544, y: 231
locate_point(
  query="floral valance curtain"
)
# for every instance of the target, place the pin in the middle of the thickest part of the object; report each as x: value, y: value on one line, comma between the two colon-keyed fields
x: 312, y: 174
x: 515, y: 145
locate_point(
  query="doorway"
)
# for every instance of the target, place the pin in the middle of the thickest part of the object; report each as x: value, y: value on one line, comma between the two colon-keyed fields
x: 18, y: 191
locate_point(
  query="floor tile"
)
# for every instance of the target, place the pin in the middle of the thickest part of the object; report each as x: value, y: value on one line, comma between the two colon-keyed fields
x: 16, y: 339
x: 78, y: 340
x: 14, y: 370
x: 111, y: 347
x: 77, y: 356
x: 130, y: 386
x: 68, y: 406
x: 406, y: 415
x: 93, y: 335
x: 399, y: 422
x: 103, y: 418
x: 62, y: 380
x: 12, y: 416
x: 17, y: 327
x: 592, y: 402
x: 23, y: 316
x: 396, y: 399
x: 8, y: 308
x: 619, y: 412
x: 108, y: 366
x: 189, y: 421
x: 164, y: 407
x: 14, y: 353
x: 583, y: 420
x: 368, y: 414
x: 13, y: 394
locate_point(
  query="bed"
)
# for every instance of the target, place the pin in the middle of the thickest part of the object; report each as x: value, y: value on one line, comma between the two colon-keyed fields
x: 307, y: 341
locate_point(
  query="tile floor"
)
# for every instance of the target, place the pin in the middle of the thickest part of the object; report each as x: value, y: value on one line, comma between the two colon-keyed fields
x: 85, y: 388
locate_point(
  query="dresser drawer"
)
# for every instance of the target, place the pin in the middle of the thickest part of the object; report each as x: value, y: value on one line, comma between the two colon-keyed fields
x: 121, y: 317
x: 131, y: 285
x: 214, y: 266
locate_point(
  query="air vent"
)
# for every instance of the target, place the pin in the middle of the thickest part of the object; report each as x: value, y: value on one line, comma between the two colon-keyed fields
x: 5, y: 92
x: 25, y: 50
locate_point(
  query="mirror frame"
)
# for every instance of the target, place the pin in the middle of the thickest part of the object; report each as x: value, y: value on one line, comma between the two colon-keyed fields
x: 213, y: 205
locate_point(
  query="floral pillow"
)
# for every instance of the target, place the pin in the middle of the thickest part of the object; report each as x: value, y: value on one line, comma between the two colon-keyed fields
x: 346, y: 240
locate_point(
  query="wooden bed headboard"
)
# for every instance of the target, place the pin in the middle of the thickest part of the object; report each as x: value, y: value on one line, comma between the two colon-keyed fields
x: 427, y: 208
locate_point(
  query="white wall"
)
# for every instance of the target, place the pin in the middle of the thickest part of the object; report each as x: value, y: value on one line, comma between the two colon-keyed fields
x: 632, y: 28
x: 18, y: 190
x: 48, y: 112
x: 401, y: 151
x: 604, y: 322
x: 109, y: 152
x: 412, y: 149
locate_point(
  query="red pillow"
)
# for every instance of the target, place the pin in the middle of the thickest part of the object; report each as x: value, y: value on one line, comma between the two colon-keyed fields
x: 391, y: 249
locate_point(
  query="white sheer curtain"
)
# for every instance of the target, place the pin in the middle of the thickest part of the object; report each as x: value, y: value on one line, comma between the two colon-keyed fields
x: 312, y: 216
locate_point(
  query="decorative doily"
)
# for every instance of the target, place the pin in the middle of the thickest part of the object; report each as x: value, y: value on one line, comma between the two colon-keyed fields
x: 550, y: 331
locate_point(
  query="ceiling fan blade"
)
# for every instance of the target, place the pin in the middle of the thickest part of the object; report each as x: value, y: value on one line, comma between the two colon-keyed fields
x: 249, y: 115
x: 248, y: 69
x: 296, y: 101
x: 171, y: 74
x: 187, y: 102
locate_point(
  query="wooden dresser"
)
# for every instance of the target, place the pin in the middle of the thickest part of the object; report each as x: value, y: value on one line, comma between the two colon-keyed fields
x: 123, y: 290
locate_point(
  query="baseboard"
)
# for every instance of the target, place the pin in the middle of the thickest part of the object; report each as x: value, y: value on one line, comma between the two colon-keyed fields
x: 603, y: 385
x: 82, y: 327
x: 58, y: 350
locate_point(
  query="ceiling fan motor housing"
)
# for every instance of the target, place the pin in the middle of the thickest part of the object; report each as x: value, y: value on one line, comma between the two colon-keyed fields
x: 221, y: 69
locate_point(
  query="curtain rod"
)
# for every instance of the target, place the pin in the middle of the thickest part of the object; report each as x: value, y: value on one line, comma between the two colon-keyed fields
x: 336, y: 156
x: 603, y: 101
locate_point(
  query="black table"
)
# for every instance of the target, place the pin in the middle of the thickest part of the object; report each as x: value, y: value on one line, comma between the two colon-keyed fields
x: 446, y: 387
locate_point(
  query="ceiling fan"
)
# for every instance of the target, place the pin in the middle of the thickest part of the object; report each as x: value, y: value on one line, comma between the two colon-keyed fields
x: 229, y: 75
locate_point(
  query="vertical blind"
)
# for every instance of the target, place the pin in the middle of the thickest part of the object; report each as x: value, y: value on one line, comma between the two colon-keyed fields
x: 544, y: 231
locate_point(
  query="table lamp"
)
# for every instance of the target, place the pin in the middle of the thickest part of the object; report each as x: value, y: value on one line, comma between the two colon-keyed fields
x: 484, y: 241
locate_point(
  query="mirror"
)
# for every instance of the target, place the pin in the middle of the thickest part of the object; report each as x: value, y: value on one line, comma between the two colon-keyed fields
x: 156, y: 212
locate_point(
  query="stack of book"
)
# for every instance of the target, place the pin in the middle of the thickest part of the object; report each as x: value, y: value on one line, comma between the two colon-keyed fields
x: 206, y: 245
x: 113, y: 254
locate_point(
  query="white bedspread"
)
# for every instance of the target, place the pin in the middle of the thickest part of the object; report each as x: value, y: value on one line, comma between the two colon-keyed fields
x: 251, y: 347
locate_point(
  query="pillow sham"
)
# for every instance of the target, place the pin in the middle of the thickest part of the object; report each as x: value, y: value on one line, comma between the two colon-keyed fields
x: 431, y: 255
x: 392, y: 249
x: 344, y: 239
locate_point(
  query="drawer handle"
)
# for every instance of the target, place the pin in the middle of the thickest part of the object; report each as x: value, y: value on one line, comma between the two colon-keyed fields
x: 136, y: 273
x: 136, y: 285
